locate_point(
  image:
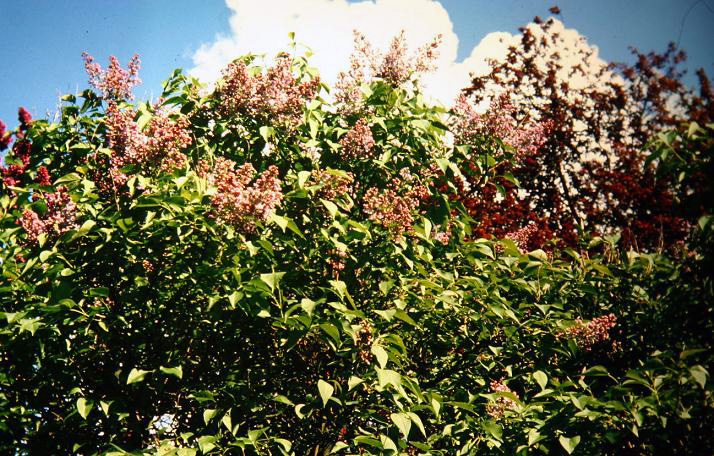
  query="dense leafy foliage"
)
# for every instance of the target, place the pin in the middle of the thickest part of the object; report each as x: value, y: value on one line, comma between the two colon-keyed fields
x: 255, y: 270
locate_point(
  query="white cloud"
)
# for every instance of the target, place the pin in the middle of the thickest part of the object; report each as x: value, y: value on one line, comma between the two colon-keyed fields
x: 325, y: 26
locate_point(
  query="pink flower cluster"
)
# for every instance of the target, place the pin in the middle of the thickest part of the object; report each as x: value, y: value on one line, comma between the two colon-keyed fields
x: 394, y: 207
x: 11, y: 175
x: 522, y: 238
x: 336, y: 260
x: 158, y: 148
x: 442, y: 237
x: 331, y: 186
x: 276, y: 95
x: 43, y: 176
x: 394, y: 67
x: 588, y: 334
x: 358, y: 142
x: 24, y: 117
x: 5, y: 136
x: 59, y: 218
x: 237, y: 202
x: 115, y: 82
x: 499, y: 121
x: 496, y: 408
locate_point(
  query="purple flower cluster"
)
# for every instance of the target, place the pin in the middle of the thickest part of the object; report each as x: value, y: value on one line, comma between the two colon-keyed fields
x: 237, y: 202
x: 395, y: 207
x: 497, y: 407
x: 522, y: 238
x: 358, y: 142
x: 499, y: 121
x: 59, y: 218
x: 331, y: 186
x: 394, y: 67
x: 158, y: 148
x: 277, y: 95
x: 5, y: 136
x: 24, y: 117
x: 115, y: 82
x: 588, y: 334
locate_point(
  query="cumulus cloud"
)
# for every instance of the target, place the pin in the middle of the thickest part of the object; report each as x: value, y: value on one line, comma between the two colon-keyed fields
x: 325, y: 26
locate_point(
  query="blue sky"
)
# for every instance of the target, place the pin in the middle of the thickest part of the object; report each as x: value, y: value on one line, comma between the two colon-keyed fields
x: 43, y: 39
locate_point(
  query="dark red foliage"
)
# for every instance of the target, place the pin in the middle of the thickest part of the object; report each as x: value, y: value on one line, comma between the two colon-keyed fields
x: 591, y: 176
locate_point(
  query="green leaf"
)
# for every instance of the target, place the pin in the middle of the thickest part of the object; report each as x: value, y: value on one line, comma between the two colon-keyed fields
x: 303, y: 176
x: 325, y: 390
x: 533, y: 437
x: 208, y: 415
x: 331, y: 207
x: 353, y: 381
x: 388, y: 377
x: 308, y: 305
x: 272, y: 279
x: 495, y: 429
x: 541, y: 378
x: 340, y: 288
x: 206, y: 443
x: 136, y: 376
x: 175, y: 371
x: 226, y: 421
x: 569, y: 443
x: 44, y: 255
x: 84, y: 407
x: 436, y: 405
x: 403, y: 422
x: 331, y: 331
x: 338, y: 446
x: 381, y: 354
x: 105, y: 406
x: 416, y: 420
x: 699, y: 374
x: 281, y: 221
x: 266, y: 132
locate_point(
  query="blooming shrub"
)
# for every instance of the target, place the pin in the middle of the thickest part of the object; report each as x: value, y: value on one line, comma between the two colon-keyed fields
x: 254, y: 271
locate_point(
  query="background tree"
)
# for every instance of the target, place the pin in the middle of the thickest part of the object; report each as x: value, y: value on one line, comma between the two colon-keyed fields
x: 590, y: 174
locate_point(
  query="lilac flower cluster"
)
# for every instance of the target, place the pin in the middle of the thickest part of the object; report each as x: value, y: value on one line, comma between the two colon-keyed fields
x: 277, y: 95
x: 358, y: 142
x: 499, y: 121
x: 24, y: 117
x: 331, y: 186
x: 237, y: 202
x: 5, y: 136
x: 115, y: 82
x: 522, y: 238
x: 336, y: 260
x: 442, y: 237
x: 497, y: 407
x: 11, y: 175
x: 156, y: 149
x: 588, y: 334
x: 59, y: 218
x: 394, y: 207
x: 43, y: 176
x: 394, y: 67
x: 363, y: 340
